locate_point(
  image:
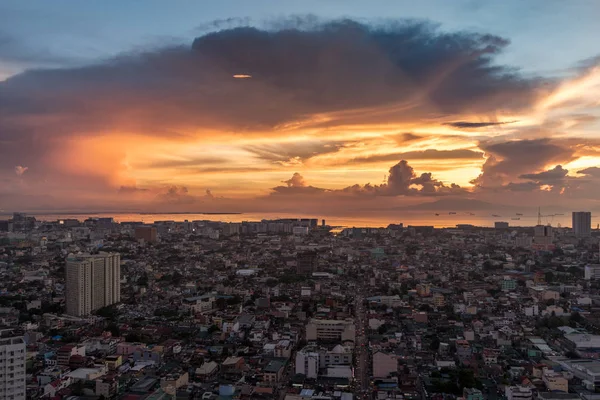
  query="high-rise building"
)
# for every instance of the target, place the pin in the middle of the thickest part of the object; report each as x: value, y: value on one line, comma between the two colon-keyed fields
x: 12, y: 366
x: 582, y: 223
x: 543, y: 237
x: 501, y: 225
x: 146, y: 233
x: 306, y: 263
x: 92, y: 282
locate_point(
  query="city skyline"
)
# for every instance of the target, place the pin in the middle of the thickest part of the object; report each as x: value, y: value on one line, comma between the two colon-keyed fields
x: 343, y: 108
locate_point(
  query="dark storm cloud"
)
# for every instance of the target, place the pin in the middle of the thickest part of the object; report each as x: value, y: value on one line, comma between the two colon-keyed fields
x: 407, y: 137
x: 304, y: 74
x: 554, y: 175
x: 509, y: 160
x: 298, y: 150
x: 522, y: 186
x: 429, y: 154
x: 593, y: 172
x: 331, y: 67
x: 474, y: 125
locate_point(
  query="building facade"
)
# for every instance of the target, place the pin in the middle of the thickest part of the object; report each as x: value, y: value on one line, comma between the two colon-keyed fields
x: 92, y: 282
x: 330, y: 330
x: 12, y: 366
x: 146, y: 233
x: 582, y: 223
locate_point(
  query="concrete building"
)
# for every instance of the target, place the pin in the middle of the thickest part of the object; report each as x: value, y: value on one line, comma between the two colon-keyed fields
x: 582, y: 223
x: 555, y: 382
x: 585, y: 369
x: 92, y: 282
x: 518, y: 393
x: 307, y: 362
x: 592, y: 272
x: 543, y: 237
x: 306, y: 263
x: 330, y: 330
x: 146, y: 233
x: 384, y: 364
x: 312, y: 360
x: 500, y: 225
x: 12, y: 366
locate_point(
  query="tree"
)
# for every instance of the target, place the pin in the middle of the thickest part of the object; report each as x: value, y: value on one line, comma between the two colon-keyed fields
x: 113, y: 329
x: 143, y: 280
x: 435, y: 343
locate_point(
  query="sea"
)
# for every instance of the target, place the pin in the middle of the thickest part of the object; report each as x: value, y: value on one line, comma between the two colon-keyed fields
x: 415, y: 218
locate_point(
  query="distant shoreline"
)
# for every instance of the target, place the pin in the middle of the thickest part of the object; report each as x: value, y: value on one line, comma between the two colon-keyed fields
x: 121, y: 212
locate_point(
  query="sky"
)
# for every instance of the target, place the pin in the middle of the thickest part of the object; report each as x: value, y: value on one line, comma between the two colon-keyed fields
x: 321, y: 106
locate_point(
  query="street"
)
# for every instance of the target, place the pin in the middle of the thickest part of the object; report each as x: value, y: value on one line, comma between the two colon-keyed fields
x: 362, y: 355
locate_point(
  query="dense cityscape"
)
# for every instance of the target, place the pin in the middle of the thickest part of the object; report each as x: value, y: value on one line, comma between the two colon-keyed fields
x: 288, y: 309
x: 299, y: 200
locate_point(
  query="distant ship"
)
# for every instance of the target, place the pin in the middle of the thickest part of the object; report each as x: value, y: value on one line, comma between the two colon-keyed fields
x: 515, y: 219
x: 452, y: 213
x: 437, y: 215
x: 520, y: 214
x: 471, y: 213
x: 495, y: 215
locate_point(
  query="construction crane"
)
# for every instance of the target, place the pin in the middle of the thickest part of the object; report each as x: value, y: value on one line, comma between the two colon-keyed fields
x: 539, y: 217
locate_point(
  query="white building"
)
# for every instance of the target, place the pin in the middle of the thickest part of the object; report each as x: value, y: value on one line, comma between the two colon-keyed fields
x: 92, y: 282
x: 586, y: 370
x: 518, y: 393
x: 307, y: 363
x: 330, y: 329
x: 12, y: 366
x: 313, y: 359
x: 592, y: 272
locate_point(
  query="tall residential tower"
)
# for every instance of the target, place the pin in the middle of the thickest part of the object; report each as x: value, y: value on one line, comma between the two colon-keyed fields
x: 92, y: 282
x: 582, y: 223
x: 12, y: 366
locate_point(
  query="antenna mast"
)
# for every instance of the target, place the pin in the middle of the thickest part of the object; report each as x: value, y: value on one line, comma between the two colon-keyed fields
x: 539, y: 221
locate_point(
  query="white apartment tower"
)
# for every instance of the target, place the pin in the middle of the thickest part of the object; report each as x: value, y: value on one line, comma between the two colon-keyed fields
x: 92, y: 282
x: 582, y: 223
x: 12, y: 366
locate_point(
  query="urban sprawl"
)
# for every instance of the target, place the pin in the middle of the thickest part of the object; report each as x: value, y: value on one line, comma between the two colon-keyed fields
x: 294, y: 310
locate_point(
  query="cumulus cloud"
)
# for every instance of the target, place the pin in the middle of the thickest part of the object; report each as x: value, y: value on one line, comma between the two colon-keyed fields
x: 296, y: 180
x: 175, y: 195
x: 509, y: 160
x: 401, y: 181
x: 551, y: 176
x: 591, y: 172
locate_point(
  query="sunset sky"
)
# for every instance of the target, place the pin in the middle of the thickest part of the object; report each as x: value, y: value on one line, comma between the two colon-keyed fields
x: 309, y: 106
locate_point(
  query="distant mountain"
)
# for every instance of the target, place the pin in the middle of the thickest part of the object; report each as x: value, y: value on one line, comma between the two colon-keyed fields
x: 456, y: 204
